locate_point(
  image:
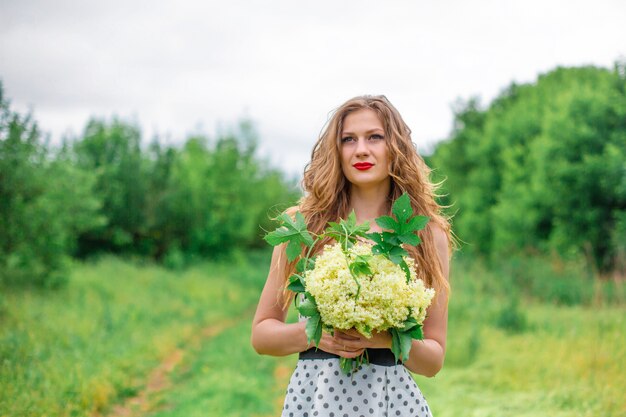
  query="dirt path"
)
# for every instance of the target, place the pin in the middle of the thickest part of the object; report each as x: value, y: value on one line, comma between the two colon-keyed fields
x: 159, y: 379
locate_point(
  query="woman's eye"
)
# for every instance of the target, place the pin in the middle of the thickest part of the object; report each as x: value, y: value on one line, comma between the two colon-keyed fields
x: 377, y: 137
x: 346, y: 139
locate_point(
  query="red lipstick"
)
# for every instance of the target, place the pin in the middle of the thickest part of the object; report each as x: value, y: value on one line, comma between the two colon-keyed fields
x: 363, y: 166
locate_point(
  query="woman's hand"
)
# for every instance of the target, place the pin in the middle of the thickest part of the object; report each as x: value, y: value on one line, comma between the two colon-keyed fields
x: 350, y: 343
x: 379, y: 340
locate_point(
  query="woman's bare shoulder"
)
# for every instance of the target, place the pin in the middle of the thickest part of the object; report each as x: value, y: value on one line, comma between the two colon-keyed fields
x: 441, y: 238
x: 291, y: 211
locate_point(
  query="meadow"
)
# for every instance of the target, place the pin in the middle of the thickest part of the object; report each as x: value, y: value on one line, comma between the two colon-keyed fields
x: 127, y: 338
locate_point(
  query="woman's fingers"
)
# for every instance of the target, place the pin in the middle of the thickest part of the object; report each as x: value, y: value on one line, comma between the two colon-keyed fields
x: 351, y: 333
x: 350, y: 340
x: 344, y: 344
x: 349, y: 348
x: 344, y: 335
x: 354, y: 339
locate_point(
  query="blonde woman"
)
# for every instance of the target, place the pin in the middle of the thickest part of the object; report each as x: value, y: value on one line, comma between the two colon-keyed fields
x: 363, y: 161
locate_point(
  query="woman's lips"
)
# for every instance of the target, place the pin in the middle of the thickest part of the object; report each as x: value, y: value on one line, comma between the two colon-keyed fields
x: 363, y: 166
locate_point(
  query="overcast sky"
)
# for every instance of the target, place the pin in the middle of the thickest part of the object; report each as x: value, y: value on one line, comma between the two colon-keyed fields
x: 179, y: 67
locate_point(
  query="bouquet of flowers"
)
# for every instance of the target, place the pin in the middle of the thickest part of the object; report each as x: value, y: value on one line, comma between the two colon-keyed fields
x: 357, y: 284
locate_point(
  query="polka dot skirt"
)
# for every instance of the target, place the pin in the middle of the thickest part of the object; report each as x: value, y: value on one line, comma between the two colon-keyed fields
x: 318, y: 388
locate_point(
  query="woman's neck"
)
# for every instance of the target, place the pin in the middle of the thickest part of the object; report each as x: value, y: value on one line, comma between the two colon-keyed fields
x: 369, y: 203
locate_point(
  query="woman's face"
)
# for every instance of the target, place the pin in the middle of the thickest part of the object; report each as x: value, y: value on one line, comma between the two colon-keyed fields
x: 364, y: 155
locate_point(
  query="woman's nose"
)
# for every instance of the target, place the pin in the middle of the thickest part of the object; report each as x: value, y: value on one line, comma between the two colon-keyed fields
x: 361, y: 147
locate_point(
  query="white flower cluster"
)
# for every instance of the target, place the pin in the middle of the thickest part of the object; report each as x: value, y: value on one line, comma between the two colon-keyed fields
x: 384, y: 300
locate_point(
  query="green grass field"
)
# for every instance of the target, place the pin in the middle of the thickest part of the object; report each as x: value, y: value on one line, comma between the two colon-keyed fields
x: 123, y: 339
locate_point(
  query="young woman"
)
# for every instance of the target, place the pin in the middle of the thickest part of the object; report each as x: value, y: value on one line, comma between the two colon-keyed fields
x: 363, y: 161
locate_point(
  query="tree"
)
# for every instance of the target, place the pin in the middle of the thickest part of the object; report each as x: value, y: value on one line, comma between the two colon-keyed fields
x: 113, y: 152
x: 543, y: 167
x: 220, y: 194
x: 45, y: 202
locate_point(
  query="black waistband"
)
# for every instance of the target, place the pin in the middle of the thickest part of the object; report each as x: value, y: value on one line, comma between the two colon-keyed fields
x: 383, y: 357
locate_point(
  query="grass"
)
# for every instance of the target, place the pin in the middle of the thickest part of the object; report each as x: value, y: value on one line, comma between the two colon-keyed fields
x: 86, y: 347
x: 571, y: 361
x: 226, y: 377
x: 564, y: 360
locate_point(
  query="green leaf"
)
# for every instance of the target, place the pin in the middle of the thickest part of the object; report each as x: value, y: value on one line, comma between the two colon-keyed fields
x: 384, y: 242
x: 301, y: 227
x: 400, y: 231
x: 313, y: 329
x: 395, y: 344
x: 417, y: 223
x: 387, y: 222
x: 360, y: 266
x: 395, y: 255
x: 417, y: 332
x: 318, y: 333
x: 294, y: 232
x: 351, y: 220
x: 409, y: 324
x: 406, y: 269
x: 305, y: 264
x: 375, y: 236
x: 293, y: 250
x: 308, y: 307
x: 405, y: 344
x: 409, y: 239
x: 347, y: 365
x: 296, y: 283
x: 390, y: 238
x: 402, y: 208
x: 363, y: 258
x: 346, y: 231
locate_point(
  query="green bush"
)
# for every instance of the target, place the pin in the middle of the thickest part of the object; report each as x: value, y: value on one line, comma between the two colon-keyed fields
x: 549, y: 279
x: 105, y: 192
x: 511, y: 317
x: 177, y: 204
x: 45, y: 203
x: 541, y: 168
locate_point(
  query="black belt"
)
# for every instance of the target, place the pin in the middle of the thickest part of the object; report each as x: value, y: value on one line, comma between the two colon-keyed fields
x: 383, y: 357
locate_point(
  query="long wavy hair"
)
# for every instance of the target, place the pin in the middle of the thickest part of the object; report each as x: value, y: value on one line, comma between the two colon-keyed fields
x: 327, y: 191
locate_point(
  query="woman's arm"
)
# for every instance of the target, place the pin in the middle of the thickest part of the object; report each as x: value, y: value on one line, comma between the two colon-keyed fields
x: 270, y: 334
x: 426, y: 356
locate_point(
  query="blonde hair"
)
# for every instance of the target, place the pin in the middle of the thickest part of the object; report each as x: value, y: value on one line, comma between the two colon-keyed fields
x: 327, y: 191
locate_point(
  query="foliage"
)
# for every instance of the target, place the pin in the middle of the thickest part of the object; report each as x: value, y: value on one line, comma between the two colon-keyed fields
x: 106, y: 192
x: 543, y: 168
x: 45, y: 202
x: 219, y: 195
x: 201, y: 200
x: 401, y: 230
x: 113, y: 152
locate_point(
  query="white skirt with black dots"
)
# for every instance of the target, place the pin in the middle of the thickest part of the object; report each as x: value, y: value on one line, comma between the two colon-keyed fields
x: 318, y: 388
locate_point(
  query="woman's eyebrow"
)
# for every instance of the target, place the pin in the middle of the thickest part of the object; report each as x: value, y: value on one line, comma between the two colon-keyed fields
x: 377, y: 129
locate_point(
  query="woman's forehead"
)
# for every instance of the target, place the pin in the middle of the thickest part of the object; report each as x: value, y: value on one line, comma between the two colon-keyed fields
x: 362, y: 117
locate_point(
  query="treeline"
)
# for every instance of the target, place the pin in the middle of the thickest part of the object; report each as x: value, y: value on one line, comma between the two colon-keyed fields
x: 542, y: 169
x: 105, y: 192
